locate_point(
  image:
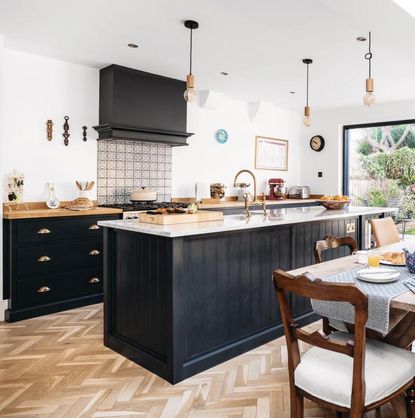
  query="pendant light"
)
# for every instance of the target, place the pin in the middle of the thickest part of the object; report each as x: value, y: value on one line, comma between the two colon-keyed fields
x: 190, y: 93
x: 307, y: 109
x: 369, y: 98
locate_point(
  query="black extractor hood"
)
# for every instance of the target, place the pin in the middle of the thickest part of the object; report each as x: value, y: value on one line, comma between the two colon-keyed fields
x: 141, y: 106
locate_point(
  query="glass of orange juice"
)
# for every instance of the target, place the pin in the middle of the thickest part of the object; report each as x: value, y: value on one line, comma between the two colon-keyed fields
x: 373, y: 260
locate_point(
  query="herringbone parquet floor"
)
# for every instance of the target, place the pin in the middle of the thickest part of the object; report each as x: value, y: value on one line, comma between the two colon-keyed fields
x: 56, y: 366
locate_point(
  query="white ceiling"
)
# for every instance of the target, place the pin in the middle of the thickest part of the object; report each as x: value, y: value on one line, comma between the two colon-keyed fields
x: 260, y: 43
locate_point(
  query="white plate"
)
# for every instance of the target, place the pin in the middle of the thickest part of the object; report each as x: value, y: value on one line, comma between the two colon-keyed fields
x: 378, y: 275
x: 389, y: 263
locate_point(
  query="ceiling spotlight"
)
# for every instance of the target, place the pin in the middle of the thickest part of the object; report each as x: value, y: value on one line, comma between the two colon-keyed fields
x: 133, y: 45
x: 224, y: 73
x: 361, y: 39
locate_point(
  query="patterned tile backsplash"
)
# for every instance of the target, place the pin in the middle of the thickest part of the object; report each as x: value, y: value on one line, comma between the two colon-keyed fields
x: 127, y: 165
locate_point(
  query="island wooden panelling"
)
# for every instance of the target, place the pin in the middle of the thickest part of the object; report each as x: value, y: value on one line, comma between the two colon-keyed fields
x: 178, y: 306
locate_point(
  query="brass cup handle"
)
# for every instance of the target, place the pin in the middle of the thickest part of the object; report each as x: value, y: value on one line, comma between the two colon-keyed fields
x: 43, y: 259
x: 94, y: 252
x: 44, y: 231
x: 94, y: 227
x: 43, y: 289
x: 94, y: 280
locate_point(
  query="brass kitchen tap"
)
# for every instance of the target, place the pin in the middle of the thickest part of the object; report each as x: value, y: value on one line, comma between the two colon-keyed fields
x: 246, y: 196
x: 255, y: 201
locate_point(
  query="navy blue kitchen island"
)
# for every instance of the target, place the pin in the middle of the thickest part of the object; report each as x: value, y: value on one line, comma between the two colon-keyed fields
x: 179, y: 299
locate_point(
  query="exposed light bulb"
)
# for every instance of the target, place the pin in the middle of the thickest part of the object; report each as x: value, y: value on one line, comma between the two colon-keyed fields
x: 190, y: 92
x: 369, y: 99
x: 307, y: 108
x: 307, y: 121
x: 190, y: 95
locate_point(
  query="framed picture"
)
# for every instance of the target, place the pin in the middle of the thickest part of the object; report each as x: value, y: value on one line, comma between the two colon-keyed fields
x: 271, y: 153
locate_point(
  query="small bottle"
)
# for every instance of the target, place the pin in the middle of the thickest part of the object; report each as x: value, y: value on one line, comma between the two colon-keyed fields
x: 52, y: 202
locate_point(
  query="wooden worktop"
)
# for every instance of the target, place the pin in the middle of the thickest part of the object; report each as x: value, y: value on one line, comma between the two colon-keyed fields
x: 40, y: 210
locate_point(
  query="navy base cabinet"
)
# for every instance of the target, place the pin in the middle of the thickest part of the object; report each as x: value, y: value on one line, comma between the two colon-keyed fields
x: 51, y: 264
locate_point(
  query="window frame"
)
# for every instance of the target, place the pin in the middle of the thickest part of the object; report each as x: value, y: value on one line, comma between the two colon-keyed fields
x: 346, y: 143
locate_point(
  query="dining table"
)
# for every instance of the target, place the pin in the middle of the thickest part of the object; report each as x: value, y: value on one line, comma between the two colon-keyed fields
x: 401, y: 330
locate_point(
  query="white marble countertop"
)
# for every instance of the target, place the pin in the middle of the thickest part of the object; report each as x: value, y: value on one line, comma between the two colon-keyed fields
x: 241, y: 222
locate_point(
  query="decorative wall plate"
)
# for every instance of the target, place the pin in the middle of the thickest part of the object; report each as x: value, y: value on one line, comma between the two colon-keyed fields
x: 221, y: 136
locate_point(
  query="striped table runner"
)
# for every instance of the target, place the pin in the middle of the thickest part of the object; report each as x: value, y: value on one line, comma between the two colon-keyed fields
x: 379, y: 295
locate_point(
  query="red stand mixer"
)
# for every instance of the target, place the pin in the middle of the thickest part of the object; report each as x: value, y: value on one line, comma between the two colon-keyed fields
x: 277, y: 189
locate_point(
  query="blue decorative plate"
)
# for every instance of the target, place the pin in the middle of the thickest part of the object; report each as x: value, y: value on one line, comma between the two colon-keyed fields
x: 221, y: 136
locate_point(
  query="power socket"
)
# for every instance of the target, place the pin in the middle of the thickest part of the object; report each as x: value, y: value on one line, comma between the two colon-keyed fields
x: 350, y: 228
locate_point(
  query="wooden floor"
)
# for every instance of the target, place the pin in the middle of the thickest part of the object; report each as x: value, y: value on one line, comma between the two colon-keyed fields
x: 56, y: 366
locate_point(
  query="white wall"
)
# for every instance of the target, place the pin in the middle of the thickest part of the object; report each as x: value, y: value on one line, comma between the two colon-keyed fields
x: 37, y: 89
x: 205, y: 160
x: 34, y: 89
x: 329, y: 123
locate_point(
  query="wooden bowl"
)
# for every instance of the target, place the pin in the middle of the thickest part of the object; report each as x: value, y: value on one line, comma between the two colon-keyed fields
x: 334, y: 204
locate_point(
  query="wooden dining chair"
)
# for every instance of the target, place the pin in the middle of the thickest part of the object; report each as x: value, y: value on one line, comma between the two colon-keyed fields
x: 343, y: 372
x: 329, y: 242
x: 384, y: 231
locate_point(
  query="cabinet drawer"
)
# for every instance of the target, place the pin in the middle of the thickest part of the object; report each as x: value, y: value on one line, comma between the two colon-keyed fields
x: 45, y: 259
x: 48, y: 230
x: 55, y: 288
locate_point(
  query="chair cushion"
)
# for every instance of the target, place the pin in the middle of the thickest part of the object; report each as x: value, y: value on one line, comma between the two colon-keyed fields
x: 327, y: 375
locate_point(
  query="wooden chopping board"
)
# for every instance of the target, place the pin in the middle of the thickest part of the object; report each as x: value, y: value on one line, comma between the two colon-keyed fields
x: 181, y: 218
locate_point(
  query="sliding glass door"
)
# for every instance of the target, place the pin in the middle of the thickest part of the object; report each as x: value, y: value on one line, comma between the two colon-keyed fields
x: 379, y: 165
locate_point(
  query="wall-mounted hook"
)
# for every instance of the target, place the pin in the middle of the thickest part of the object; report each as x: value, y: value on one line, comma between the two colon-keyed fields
x: 84, y: 128
x: 66, y: 134
x: 49, y: 129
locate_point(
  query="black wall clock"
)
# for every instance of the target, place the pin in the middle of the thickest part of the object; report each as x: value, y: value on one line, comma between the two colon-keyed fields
x: 317, y: 143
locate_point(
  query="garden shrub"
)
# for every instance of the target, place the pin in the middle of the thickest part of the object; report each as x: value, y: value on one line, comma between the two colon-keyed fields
x: 398, y: 165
